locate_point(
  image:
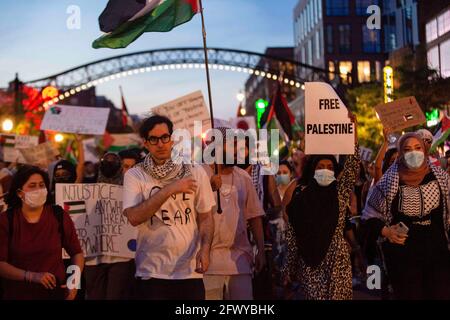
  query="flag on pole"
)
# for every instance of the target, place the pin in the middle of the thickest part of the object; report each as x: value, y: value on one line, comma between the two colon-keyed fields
x: 442, y: 133
x: 126, y: 20
x: 279, y: 108
x: 125, y: 116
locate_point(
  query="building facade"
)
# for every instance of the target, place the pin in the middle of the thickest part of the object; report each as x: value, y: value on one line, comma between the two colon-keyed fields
x: 437, y: 38
x: 334, y: 35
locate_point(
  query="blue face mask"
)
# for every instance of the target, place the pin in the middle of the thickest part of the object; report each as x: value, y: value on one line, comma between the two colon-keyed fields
x: 324, y: 177
x: 283, y: 179
x: 414, y: 159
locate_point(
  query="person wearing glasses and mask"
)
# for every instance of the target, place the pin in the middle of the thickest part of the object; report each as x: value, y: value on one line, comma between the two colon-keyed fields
x: 318, y: 254
x: 171, y: 202
x: 33, y: 233
x: 409, y: 207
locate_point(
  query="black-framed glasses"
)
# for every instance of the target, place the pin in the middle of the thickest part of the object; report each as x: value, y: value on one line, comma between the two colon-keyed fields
x: 154, y: 140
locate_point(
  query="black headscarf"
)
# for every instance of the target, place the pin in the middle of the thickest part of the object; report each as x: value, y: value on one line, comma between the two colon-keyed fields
x: 313, y: 214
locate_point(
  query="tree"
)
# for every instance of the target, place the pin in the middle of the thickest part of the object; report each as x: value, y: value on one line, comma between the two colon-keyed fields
x: 417, y: 79
x: 362, y: 101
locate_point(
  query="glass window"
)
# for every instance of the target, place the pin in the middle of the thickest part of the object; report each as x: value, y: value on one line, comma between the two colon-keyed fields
x: 310, y: 54
x: 445, y: 59
x: 363, y: 71
x: 362, y: 5
x: 431, y: 30
x: 389, y: 38
x: 433, y: 58
x: 378, y: 70
x: 345, y: 68
x: 303, y: 25
x: 444, y: 23
x: 319, y: 8
x: 371, y: 40
x: 344, y: 38
x: 337, y: 8
x: 329, y: 37
x: 318, y: 53
x: 313, y: 12
x: 331, y: 69
x: 306, y: 19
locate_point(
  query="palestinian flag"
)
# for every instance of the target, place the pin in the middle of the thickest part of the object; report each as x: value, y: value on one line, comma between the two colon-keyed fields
x: 8, y: 140
x: 126, y: 20
x: 279, y: 108
x: 75, y: 207
x: 442, y: 133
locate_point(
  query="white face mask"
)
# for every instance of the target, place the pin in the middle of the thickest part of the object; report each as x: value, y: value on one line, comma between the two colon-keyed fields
x: 35, y: 198
x: 414, y: 159
x: 324, y: 177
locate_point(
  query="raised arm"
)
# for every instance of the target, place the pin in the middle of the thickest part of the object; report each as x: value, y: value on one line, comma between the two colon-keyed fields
x: 80, y: 164
x: 380, y: 157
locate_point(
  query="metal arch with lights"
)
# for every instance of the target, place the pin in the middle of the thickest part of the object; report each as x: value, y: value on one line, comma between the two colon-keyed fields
x: 83, y: 77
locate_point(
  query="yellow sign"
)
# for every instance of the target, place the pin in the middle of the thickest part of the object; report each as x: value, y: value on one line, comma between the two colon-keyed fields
x: 388, y: 84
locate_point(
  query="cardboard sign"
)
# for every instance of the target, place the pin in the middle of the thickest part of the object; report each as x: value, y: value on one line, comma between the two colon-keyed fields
x: 96, y: 210
x: 83, y: 120
x: 90, y: 150
x: 328, y: 129
x: 41, y: 155
x: 400, y: 114
x: 11, y: 144
x: 185, y: 110
x: 365, y: 153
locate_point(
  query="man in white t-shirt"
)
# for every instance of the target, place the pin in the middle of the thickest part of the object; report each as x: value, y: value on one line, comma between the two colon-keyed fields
x: 171, y: 204
x: 229, y: 276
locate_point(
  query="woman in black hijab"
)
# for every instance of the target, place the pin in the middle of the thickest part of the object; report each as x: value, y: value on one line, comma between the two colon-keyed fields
x: 319, y: 256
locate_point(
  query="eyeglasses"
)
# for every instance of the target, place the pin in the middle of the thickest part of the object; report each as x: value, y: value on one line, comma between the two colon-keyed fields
x: 154, y: 140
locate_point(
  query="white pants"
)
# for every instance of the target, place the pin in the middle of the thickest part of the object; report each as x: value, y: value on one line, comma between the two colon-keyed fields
x: 234, y: 287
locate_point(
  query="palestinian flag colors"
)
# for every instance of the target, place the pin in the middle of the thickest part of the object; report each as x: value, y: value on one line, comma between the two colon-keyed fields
x: 279, y: 109
x: 75, y: 207
x: 126, y: 20
x: 8, y: 140
x: 442, y: 133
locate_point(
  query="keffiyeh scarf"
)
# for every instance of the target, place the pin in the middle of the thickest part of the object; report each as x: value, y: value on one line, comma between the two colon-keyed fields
x: 380, y: 202
x: 172, y: 169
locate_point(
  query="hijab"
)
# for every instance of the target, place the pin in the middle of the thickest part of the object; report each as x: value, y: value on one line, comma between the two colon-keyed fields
x: 407, y: 175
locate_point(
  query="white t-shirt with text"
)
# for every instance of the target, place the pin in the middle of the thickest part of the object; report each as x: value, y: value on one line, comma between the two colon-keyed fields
x: 167, y: 244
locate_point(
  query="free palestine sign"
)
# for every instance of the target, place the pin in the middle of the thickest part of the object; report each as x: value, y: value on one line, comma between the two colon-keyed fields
x: 328, y: 129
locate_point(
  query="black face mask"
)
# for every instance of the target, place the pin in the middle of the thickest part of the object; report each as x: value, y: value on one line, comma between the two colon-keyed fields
x: 110, y: 168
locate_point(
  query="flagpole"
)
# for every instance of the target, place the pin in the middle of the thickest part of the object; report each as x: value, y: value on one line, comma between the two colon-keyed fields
x: 208, y: 80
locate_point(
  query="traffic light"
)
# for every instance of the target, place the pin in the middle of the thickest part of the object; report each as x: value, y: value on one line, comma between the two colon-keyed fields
x: 260, y: 105
x: 432, y: 117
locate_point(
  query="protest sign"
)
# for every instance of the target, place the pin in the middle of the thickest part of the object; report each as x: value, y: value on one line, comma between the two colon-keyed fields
x: 11, y: 144
x: 96, y: 210
x: 83, y: 120
x: 41, y: 155
x: 400, y: 114
x: 328, y: 129
x: 90, y: 150
x: 185, y: 110
x: 365, y: 153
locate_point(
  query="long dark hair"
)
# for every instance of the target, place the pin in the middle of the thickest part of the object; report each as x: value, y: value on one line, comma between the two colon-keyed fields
x: 19, y: 180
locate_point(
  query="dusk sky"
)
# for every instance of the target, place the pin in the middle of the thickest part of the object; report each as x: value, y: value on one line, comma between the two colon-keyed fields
x: 37, y: 43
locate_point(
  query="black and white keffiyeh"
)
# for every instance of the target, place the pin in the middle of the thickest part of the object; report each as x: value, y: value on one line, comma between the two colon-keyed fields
x: 171, y: 170
x: 380, y: 201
